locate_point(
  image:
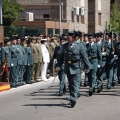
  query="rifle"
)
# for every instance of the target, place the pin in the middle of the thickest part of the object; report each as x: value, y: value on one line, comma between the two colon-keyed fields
x: 112, y: 45
x: 103, y: 40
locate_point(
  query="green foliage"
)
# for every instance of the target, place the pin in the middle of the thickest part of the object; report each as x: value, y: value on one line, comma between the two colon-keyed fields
x: 11, y: 12
x: 115, y: 18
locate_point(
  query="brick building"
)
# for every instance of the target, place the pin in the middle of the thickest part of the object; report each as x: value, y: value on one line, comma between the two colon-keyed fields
x: 91, y: 17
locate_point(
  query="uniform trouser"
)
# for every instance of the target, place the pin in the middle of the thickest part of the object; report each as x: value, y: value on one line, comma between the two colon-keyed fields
x: 14, y: 76
x: 61, y: 76
x: 28, y: 74
x: 92, y: 78
x: 38, y: 72
x: 115, y: 72
x: 101, y: 74
x: 118, y: 70
x: 74, y: 85
x: 109, y: 74
x: 86, y: 78
x: 44, y: 70
x: 35, y: 71
x: 20, y: 74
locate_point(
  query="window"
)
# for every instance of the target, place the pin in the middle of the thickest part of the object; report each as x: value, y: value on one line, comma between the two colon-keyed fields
x: 72, y: 16
x: 78, y: 19
x: 46, y: 16
x: 99, y: 18
x: 99, y: 5
x: 82, y: 19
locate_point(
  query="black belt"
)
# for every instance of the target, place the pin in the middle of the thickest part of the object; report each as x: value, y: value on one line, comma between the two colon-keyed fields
x: 90, y: 57
x: 72, y: 61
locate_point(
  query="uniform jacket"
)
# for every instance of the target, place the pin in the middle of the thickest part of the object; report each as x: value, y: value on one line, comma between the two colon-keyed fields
x: 38, y: 47
x: 29, y: 54
x: 94, y: 54
x: 45, y: 54
x: 24, y: 56
x: 35, y: 53
x: 5, y: 51
x: 20, y: 55
x: 14, y: 55
x: 72, y: 54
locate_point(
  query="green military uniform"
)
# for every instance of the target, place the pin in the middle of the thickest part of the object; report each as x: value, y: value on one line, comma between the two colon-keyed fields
x: 95, y: 58
x: 101, y: 72
x: 13, y: 64
x: 20, y: 64
x: 61, y: 73
x: 109, y: 60
x: 30, y: 62
x: 5, y: 54
x: 117, y: 52
x: 71, y: 54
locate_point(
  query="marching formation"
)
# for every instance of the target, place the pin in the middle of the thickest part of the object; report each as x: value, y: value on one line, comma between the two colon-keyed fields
x: 25, y: 59
x: 98, y: 55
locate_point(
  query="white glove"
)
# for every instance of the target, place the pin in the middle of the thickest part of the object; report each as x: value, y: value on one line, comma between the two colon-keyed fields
x: 103, y: 53
x: 57, y: 69
x: 98, y: 66
x: 115, y: 57
x: 87, y: 70
x: 112, y: 53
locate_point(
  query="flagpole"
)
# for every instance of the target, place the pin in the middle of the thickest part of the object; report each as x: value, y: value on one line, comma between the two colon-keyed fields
x: 1, y: 18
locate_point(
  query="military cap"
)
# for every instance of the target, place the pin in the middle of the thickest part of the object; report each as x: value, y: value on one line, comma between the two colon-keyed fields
x: 99, y: 34
x: 22, y: 38
x: 91, y: 35
x: 63, y: 39
x: 13, y: 38
x: 109, y: 34
x: 6, y: 39
x: 71, y: 33
x: 29, y: 41
x: 43, y: 39
x: 85, y: 35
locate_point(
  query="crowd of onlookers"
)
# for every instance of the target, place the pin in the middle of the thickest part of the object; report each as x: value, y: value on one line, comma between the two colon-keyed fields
x: 28, y: 59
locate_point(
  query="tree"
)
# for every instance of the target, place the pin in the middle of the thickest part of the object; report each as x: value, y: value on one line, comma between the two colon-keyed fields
x: 115, y: 18
x: 11, y: 12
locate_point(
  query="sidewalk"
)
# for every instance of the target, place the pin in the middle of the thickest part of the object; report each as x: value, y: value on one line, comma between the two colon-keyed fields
x: 43, y: 85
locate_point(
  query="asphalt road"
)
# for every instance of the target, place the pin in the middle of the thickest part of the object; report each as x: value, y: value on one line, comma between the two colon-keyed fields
x: 39, y: 101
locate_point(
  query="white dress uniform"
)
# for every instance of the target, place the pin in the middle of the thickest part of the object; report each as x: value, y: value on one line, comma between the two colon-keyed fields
x: 46, y: 60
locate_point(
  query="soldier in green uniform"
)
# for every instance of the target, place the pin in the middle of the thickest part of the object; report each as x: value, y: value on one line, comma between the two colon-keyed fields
x: 6, y: 58
x: 30, y: 62
x: 13, y: 63
x: 95, y: 57
x: 117, y: 52
x: 71, y: 54
x: 101, y: 73
x: 61, y: 73
x: 23, y: 42
x: 20, y: 61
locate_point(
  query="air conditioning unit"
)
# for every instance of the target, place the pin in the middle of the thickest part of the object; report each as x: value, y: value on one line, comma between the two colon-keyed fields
x: 29, y: 16
x: 76, y: 11
x: 82, y: 11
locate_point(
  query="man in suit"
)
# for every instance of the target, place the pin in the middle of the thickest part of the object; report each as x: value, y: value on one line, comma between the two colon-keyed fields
x: 71, y: 54
x: 95, y: 58
x: 61, y: 73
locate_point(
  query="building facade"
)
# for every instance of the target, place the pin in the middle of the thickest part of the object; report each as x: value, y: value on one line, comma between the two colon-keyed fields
x: 84, y: 15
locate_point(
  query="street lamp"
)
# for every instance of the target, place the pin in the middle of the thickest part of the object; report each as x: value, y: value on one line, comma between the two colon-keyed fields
x: 60, y: 9
x: 1, y: 19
